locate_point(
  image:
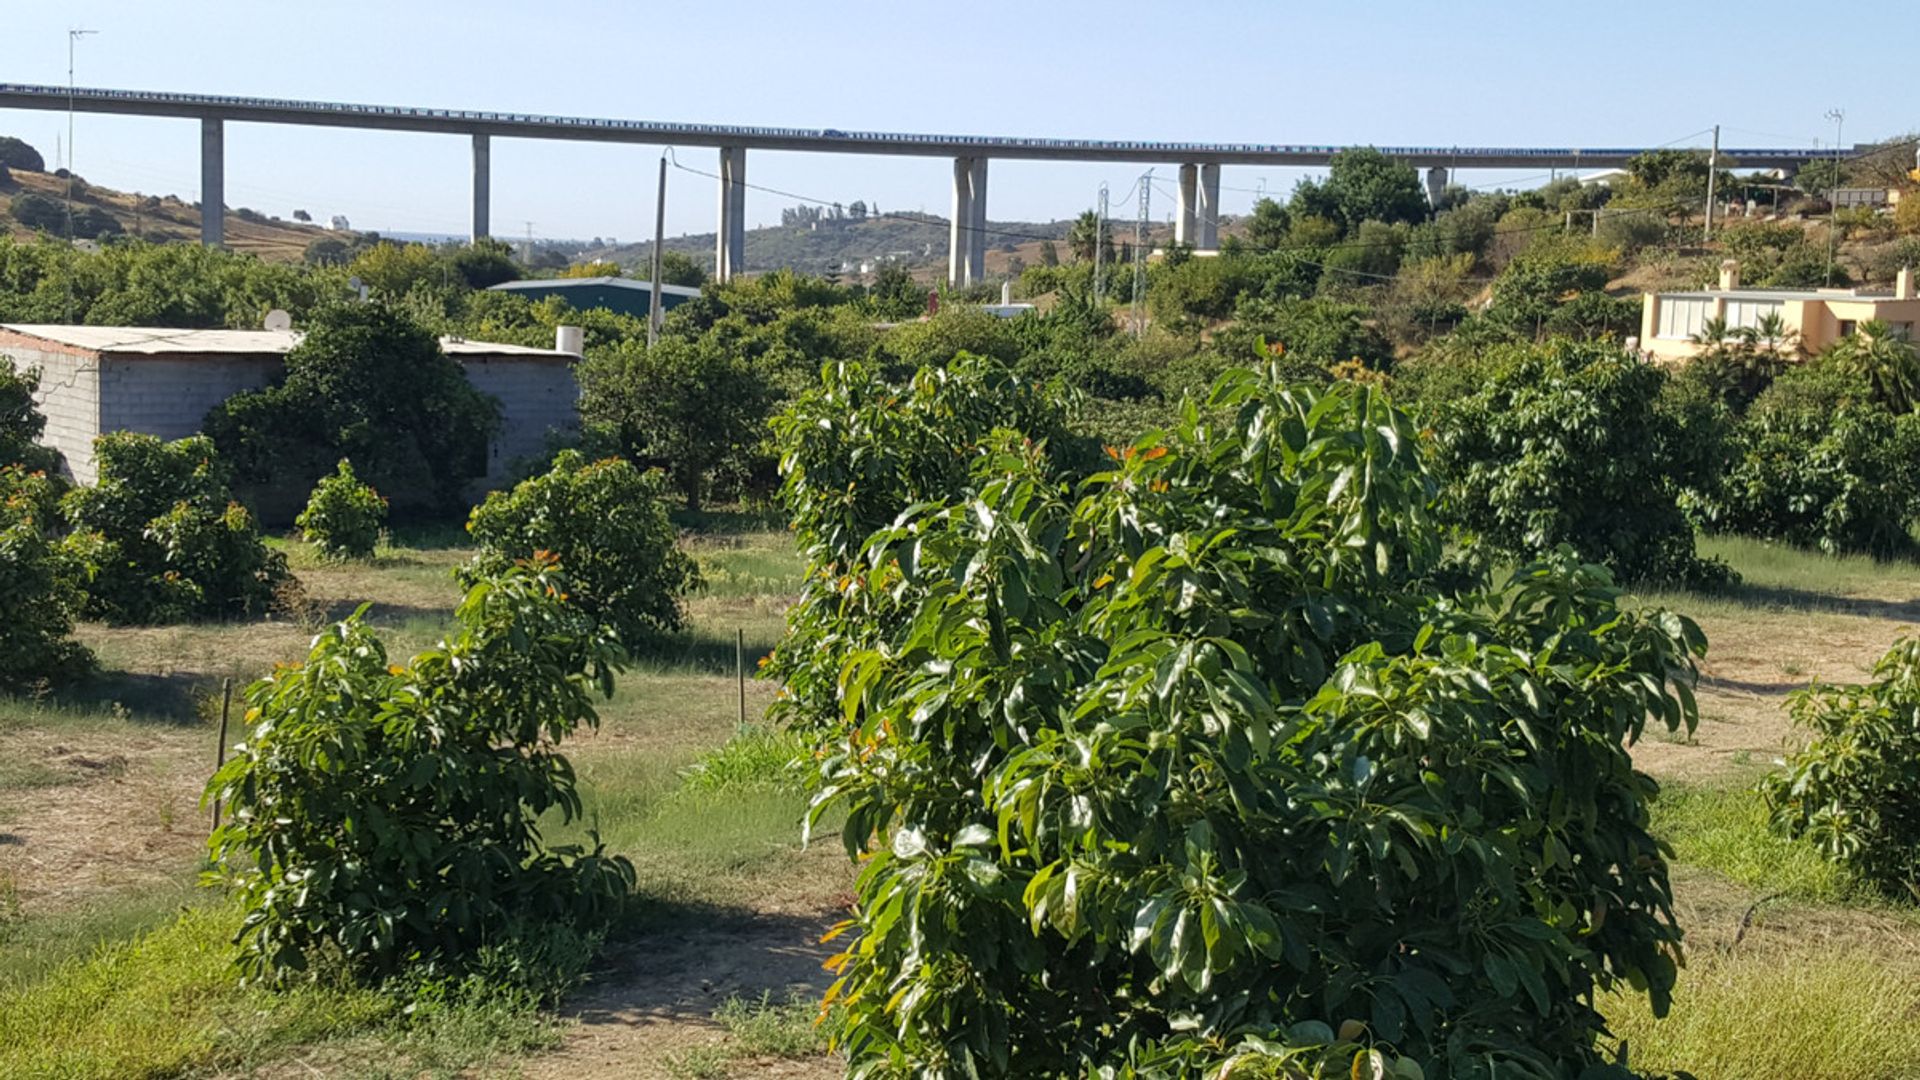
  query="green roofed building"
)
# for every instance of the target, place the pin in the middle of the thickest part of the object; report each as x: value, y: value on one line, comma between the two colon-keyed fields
x: 623, y: 296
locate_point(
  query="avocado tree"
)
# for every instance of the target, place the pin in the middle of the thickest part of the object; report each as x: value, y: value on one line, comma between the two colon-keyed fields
x: 1206, y: 765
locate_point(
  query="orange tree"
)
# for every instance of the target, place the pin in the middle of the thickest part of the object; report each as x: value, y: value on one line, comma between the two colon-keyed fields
x: 1206, y: 766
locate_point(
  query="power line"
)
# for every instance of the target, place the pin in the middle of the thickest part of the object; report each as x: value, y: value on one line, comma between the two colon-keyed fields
x: 918, y: 219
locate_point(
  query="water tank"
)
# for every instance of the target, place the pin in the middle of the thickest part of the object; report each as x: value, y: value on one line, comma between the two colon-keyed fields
x: 569, y: 339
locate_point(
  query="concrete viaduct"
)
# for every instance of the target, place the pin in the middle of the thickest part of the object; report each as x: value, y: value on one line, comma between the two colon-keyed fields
x: 1199, y: 163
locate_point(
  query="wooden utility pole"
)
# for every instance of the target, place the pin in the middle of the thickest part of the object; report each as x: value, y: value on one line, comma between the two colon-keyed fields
x: 654, y: 312
x: 1713, y: 169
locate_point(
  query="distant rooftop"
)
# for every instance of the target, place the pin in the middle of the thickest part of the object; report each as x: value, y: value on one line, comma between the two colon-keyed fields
x: 157, y: 341
x: 1782, y: 294
x: 576, y: 282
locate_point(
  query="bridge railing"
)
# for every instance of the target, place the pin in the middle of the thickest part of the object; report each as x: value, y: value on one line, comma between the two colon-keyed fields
x: 1173, y: 150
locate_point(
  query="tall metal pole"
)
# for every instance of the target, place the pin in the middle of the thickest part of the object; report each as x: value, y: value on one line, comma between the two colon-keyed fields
x: 1099, y: 246
x: 1140, y: 256
x: 1713, y: 167
x: 1839, y: 118
x: 654, y: 311
x: 74, y: 34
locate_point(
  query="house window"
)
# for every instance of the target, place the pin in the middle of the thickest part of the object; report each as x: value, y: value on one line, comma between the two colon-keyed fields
x: 1847, y: 327
x: 1682, y: 318
x: 1901, y: 330
x: 1748, y: 313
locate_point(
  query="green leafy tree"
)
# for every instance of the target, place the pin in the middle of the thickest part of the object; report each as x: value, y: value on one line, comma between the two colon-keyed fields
x: 1182, y: 770
x: 1364, y: 184
x: 1822, y: 463
x: 1268, y: 225
x: 15, y: 154
x: 1568, y: 443
x: 1049, y: 254
x: 484, y: 263
x: 688, y: 406
x: 1086, y: 234
x: 1535, y: 285
x: 1854, y: 790
x: 368, y: 384
x: 1675, y: 173
x: 857, y: 449
x: 35, y: 211
x: 392, y: 270
x: 162, y: 539
x: 1885, y: 361
x: 390, y: 814
x: 678, y: 268
x: 38, y: 589
x: 343, y: 515
x: 605, y: 525
x: 894, y: 293
x: 1313, y: 335
x: 20, y: 420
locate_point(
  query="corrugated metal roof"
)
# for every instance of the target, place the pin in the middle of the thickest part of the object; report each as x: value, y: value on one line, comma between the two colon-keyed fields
x: 151, y: 341
x: 156, y: 341
x: 615, y: 282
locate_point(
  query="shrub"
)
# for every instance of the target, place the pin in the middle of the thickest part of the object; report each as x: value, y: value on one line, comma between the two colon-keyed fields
x: 1568, y: 443
x: 37, y: 589
x: 1204, y: 769
x: 606, y: 525
x: 34, y: 211
x: 390, y: 812
x: 369, y: 384
x: 1854, y: 792
x: 1821, y: 464
x: 343, y: 517
x: 162, y: 538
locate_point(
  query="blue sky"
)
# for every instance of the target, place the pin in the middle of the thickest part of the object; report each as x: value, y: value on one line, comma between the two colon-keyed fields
x: 1465, y: 73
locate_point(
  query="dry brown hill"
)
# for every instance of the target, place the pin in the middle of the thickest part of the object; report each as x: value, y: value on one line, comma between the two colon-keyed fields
x: 160, y: 218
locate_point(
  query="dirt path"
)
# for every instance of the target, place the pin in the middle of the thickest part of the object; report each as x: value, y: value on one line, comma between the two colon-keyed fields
x: 1755, y: 659
x: 652, y: 1003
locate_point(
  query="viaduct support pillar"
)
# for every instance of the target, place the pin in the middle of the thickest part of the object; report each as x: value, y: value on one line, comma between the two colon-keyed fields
x: 966, y: 233
x: 977, y: 219
x: 1207, y: 236
x: 1186, y: 223
x: 1436, y: 184
x: 482, y: 186
x: 730, y: 241
x: 213, y: 181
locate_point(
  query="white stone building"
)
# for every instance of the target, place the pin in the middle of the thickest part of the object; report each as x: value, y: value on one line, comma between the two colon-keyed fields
x: 97, y: 379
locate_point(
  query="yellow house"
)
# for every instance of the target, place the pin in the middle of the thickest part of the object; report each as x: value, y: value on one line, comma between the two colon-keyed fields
x: 1820, y: 317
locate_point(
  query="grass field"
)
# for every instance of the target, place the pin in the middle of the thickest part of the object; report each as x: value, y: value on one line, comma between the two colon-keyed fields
x: 113, y: 963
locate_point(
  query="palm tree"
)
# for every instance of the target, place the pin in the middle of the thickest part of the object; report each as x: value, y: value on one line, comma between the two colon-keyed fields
x: 1084, y: 236
x: 1886, y: 362
x: 1771, y: 332
x: 1712, y: 332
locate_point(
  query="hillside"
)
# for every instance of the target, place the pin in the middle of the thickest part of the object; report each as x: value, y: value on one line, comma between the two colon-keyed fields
x: 841, y: 247
x: 159, y: 218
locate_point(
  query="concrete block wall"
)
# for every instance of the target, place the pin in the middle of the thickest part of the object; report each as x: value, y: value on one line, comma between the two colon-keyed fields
x: 69, y: 397
x: 170, y: 396
x: 536, y: 396
x: 83, y: 395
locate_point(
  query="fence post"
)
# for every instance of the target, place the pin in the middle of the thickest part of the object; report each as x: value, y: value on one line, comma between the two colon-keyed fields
x: 220, y: 752
x: 740, y: 669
